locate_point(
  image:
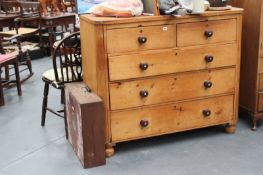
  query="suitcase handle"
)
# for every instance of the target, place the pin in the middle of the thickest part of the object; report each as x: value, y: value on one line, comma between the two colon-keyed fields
x: 86, y: 89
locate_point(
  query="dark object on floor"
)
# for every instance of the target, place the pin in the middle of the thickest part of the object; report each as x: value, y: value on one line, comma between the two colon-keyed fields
x: 85, y: 121
x: 67, y: 68
x: 36, y: 53
x: 5, y: 61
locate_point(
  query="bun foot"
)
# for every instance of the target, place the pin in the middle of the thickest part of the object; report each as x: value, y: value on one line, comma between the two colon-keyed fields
x: 109, y: 151
x: 230, y: 128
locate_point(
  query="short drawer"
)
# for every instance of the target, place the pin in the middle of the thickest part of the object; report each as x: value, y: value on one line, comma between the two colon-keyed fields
x: 140, y: 38
x: 171, y: 88
x: 260, y: 101
x: 207, y: 32
x: 138, y: 123
x: 157, y: 63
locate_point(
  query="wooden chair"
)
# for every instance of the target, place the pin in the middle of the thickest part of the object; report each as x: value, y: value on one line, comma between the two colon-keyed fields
x: 6, y: 60
x: 26, y: 25
x: 67, y: 68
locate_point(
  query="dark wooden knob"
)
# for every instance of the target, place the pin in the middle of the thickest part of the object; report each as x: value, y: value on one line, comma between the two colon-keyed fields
x: 209, y: 33
x: 206, y: 112
x: 209, y: 58
x: 208, y: 84
x: 144, y: 93
x: 144, y: 66
x: 142, y: 39
x: 144, y: 123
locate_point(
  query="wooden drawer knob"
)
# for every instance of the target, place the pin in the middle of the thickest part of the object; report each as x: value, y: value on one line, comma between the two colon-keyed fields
x: 206, y: 112
x: 144, y: 123
x: 208, y: 84
x: 208, y: 33
x: 144, y: 66
x: 144, y: 93
x: 209, y: 58
x: 142, y: 39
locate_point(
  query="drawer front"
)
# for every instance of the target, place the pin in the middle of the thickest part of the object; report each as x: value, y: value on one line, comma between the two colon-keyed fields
x: 171, y: 88
x: 260, y: 101
x: 140, y: 38
x: 138, y: 123
x: 141, y: 65
x: 207, y: 32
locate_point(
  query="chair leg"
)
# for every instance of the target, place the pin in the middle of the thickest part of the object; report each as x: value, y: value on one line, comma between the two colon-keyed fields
x: 29, y: 64
x: 2, y: 100
x: 62, y: 96
x: 18, y: 83
x: 44, y: 105
x: 7, y: 73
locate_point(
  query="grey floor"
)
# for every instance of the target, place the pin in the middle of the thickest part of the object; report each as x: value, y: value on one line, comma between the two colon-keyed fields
x: 28, y: 149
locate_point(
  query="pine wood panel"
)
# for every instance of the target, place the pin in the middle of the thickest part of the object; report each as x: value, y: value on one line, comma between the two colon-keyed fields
x: 165, y: 62
x: 171, y: 88
x: 170, y: 118
x: 95, y: 65
x: 126, y: 39
x: 189, y: 34
x: 250, y: 53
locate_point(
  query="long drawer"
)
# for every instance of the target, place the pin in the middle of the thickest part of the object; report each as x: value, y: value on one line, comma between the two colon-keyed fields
x: 206, y: 32
x: 171, y: 88
x: 137, y: 123
x: 158, y: 63
x: 140, y: 38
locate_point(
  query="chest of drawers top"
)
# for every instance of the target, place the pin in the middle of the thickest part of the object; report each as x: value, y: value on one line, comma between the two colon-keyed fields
x: 128, y: 35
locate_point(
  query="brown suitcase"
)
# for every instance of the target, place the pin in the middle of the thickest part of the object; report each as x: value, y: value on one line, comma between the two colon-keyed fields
x: 85, y: 120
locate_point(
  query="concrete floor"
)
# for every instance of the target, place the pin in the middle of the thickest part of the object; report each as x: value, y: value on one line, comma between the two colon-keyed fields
x: 28, y: 149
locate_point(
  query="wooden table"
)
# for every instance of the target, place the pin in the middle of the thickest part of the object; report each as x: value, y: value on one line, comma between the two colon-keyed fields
x: 52, y: 21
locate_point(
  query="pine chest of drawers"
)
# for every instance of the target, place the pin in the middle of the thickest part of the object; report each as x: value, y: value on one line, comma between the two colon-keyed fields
x: 160, y: 75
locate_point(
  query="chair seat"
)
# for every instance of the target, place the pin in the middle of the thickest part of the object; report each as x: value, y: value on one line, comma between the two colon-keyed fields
x: 10, y: 48
x: 6, y: 57
x: 49, y: 75
x: 21, y: 31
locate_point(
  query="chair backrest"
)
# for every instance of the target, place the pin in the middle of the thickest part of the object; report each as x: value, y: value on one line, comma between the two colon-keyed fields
x: 67, y: 59
x: 29, y: 14
x: 10, y: 7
